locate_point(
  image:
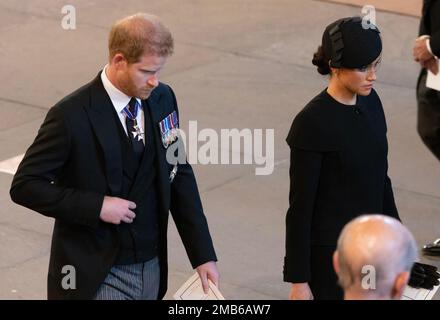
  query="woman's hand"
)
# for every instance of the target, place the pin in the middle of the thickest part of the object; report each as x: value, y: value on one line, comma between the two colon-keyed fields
x: 300, y: 291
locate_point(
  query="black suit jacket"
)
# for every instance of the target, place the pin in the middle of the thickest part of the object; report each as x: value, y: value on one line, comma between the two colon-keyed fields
x: 430, y: 24
x: 74, y: 162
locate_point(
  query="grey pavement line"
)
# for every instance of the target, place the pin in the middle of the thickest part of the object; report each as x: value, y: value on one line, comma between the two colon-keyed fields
x: 389, y: 113
x: 5, y: 8
x: 277, y: 163
x: 47, y: 17
x: 358, y: 6
x: 35, y: 232
x: 398, y: 86
x: 21, y: 124
x: 37, y: 256
x: 244, y: 55
x: 1, y: 172
x: 25, y: 104
x: 421, y: 194
x: 266, y: 59
x: 209, y: 189
x: 192, y: 68
x: 41, y: 254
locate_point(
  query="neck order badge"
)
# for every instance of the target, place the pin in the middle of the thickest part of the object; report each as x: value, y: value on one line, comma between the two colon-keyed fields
x: 131, y: 112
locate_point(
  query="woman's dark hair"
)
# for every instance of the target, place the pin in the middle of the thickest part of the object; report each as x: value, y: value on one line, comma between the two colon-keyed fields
x: 321, y: 61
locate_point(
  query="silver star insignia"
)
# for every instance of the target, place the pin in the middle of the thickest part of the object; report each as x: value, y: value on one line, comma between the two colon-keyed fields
x: 138, y: 133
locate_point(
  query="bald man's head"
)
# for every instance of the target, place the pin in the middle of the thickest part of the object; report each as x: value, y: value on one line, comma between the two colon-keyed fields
x: 374, y: 245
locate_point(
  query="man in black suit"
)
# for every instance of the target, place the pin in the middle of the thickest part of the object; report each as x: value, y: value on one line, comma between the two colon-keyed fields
x: 426, y: 51
x: 98, y: 166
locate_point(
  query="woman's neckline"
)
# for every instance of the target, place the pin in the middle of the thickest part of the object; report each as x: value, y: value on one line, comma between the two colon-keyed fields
x: 340, y: 103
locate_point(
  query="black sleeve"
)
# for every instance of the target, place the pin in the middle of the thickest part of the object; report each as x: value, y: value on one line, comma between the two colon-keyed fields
x: 34, y: 185
x: 422, y: 28
x: 429, y: 24
x: 305, y: 167
x: 435, y: 43
x: 187, y: 211
x: 389, y: 205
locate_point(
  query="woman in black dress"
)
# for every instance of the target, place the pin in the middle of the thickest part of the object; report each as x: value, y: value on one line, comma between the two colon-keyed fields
x: 338, y: 162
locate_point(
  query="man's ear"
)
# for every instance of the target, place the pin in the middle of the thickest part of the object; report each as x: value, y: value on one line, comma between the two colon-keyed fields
x: 336, y: 261
x: 399, y: 285
x: 118, y: 60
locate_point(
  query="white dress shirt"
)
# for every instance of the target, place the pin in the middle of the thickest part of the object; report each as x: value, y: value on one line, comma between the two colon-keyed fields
x: 428, y: 44
x: 120, y: 100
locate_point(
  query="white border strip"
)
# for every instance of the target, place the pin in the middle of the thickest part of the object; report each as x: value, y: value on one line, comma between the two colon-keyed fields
x: 10, y: 165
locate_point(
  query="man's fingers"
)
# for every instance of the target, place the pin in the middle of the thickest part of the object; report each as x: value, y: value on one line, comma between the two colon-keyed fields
x: 127, y: 219
x: 213, y: 278
x: 131, y: 205
x: 205, y: 285
x: 131, y: 214
x: 432, y: 65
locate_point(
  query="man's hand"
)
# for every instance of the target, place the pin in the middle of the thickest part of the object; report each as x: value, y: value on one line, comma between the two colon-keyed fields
x: 431, y: 65
x: 420, y: 50
x: 207, y: 271
x: 116, y: 210
x: 300, y: 291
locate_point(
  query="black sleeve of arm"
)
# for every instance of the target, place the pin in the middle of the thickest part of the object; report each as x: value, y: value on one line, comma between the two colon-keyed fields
x: 431, y: 14
x: 34, y: 185
x: 422, y: 26
x: 435, y: 43
x: 305, y: 169
x: 187, y: 211
x: 389, y: 205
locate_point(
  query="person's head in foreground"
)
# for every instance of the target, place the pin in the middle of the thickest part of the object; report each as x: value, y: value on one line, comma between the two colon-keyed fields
x: 373, y: 258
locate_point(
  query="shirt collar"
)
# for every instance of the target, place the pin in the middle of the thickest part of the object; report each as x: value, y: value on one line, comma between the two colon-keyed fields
x: 119, y: 99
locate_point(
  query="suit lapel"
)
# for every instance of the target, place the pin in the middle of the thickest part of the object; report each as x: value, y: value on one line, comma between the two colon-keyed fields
x: 101, y: 115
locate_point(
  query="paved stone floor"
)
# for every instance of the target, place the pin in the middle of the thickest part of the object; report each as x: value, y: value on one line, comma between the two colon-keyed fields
x: 238, y: 64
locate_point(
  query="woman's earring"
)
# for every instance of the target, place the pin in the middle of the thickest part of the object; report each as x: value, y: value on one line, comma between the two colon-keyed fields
x: 330, y: 67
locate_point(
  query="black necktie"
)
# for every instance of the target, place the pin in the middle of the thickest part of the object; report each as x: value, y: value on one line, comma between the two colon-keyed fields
x: 133, y: 128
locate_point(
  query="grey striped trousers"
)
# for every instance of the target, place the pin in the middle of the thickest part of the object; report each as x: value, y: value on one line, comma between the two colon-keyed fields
x: 138, y: 281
